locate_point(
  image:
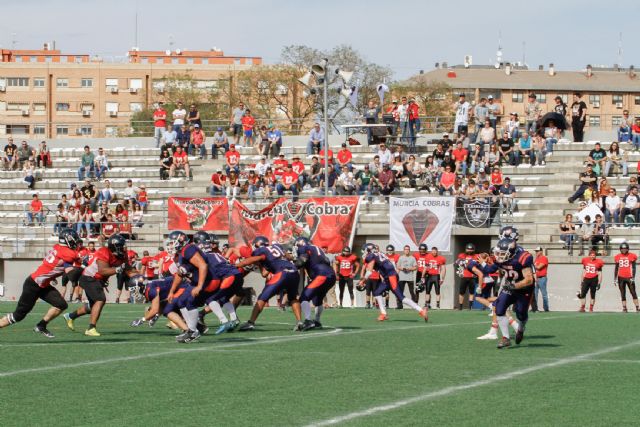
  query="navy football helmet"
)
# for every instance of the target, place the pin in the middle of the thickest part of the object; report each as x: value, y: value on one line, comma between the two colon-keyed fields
x: 260, y: 241
x: 176, y: 241
x: 504, y: 250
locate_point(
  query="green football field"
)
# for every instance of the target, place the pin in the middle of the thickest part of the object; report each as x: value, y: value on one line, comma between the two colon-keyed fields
x: 571, y: 369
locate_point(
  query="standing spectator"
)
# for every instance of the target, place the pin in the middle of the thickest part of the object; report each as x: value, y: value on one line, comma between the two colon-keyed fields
x: 29, y: 176
x: 403, y: 114
x: 532, y: 113
x: 316, y: 140
x: 495, y: 111
x: 289, y: 182
x: 180, y: 161
x: 166, y: 160
x: 407, y: 266
x: 218, y: 183
x: 159, y: 122
x: 44, y: 155
x: 107, y: 194
x: 129, y: 194
x: 179, y: 114
x: 384, y: 155
x: 232, y: 185
x: 331, y: 181
x: 630, y: 206
x: 541, y: 263
x: 447, y: 179
x: 612, y: 207
x: 142, y: 198
x: 481, y: 115
x: 551, y: 134
x: 371, y: 114
x: 560, y: 107
x: 506, y: 149
x: 248, y: 123
x: 10, y: 158
x: 635, y: 135
x: 524, y: 150
x: 568, y: 232
x: 35, y: 211
x: 101, y: 163
x: 220, y: 142
x: 462, y: 115
x: 193, y: 116
x: 25, y: 153
x: 487, y: 133
x: 169, y: 138
x: 274, y: 136
x: 597, y: 158
x: 393, y: 111
x: 232, y: 159
x: 236, y: 121
x: 197, y: 141
x: 460, y: 155
x: 315, y: 170
x: 588, y: 180
x: 344, y: 158
x: 414, y: 124
x: 624, y: 128
x: 616, y: 157
x: 184, y: 137
x: 513, y: 126
x: 86, y: 163
x: 586, y: 233
x: 578, y: 117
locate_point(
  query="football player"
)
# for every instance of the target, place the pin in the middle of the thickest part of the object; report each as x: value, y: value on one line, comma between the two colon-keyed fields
x: 591, y: 279
x: 370, y: 284
x: 467, y: 280
x: 156, y: 292
x: 280, y: 273
x: 345, y: 268
x: 517, y: 289
x: 321, y: 278
x: 625, y: 274
x: 435, y: 275
x: 375, y: 261
x: 38, y: 284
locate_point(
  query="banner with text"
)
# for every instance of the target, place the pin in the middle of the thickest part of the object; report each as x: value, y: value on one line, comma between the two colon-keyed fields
x: 329, y: 222
x: 421, y: 220
x: 208, y: 213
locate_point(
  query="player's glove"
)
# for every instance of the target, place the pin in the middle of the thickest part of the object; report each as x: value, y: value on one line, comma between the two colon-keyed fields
x: 615, y: 283
x: 598, y: 287
x: 153, y: 320
x: 137, y: 322
x: 632, y: 282
x: 120, y: 268
x: 508, y: 286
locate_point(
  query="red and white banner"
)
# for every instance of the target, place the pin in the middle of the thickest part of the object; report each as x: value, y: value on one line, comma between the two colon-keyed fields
x: 208, y: 213
x: 421, y: 220
x: 329, y: 222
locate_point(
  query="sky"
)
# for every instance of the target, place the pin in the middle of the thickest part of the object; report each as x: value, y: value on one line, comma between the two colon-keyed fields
x: 406, y: 36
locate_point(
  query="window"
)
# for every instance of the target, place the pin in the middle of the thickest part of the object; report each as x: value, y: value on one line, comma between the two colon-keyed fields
x: 112, y: 107
x: 62, y: 130
x: 594, y: 121
x: 281, y: 89
x: 517, y: 97
x: 17, y: 106
x: 86, y: 107
x: 86, y: 82
x: 206, y: 84
x: 616, y: 120
x: 39, y: 106
x: 85, y: 130
x: 48, y: 59
x: 38, y: 129
x: 62, y: 106
x: 38, y: 82
x: 18, y: 58
x: 62, y: 82
x: 636, y: 100
x: 111, y: 130
x: 112, y: 84
x: 541, y: 98
x: 594, y: 100
x: 17, y: 81
x: 616, y: 100
x: 135, y: 83
x: 564, y: 97
x: 135, y: 106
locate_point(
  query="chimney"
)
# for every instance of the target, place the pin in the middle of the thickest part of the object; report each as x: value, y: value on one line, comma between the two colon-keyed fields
x: 421, y: 71
x: 589, y: 70
x: 444, y: 65
x: 46, y: 46
x: 540, y: 67
x: 507, y: 68
x: 437, y: 65
x: 552, y: 71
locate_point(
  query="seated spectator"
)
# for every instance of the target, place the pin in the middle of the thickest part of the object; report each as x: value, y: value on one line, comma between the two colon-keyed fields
x: 476, y: 158
x: 314, y: 172
x: 482, y: 176
x: 597, y: 158
x: 36, y: 211
x: 624, y: 128
x: 447, y: 179
x: 524, y: 151
x: 218, y: 183
x: 77, y: 199
x: 612, y: 207
x: 472, y: 190
x: 600, y: 234
x: 62, y: 219
x: 487, y: 134
x: 616, y: 157
x: 232, y: 185
x: 180, y: 162
x: 586, y: 233
x: 512, y: 127
x: 44, y: 155
x: 73, y: 217
x: 398, y: 169
x: 107, y: 194
x: 506, y: 149
x: 458, y: 188
x: 85, y: 219
x: 184, y: 137
x: 448, y: 161
x: 460, y: 156
x: 487, y: 191
x: 344, y: 158
x: 493, y: 157
x: 329, y: 157
x: 539, y: 147
x: 261, y: 166
x: 142, y: 198
x: 90, y: 194
x: 375, y: 165
x: 220, y: 143
x: 507, y: 193
x: 289, y: 182
x: 137, y: 215
x: 603, y: 192
x: 431, y: 173
x: 166, y: 161
x: 316, y: 140
x: 387, y: 181
x: 635, y: 135
x: 630, y: 205
x: 279, y: 165
x: 197, y: 142
x: 496, y: 178
x: 25, y: 153
x: 101, y: 163
x: 633, y: 182
x: 446, y: 142
x: 384, y: 155
x: 274, y: 137
x: 463, y: 137
x: 129, y: 194
x: 268, y: 183
x: 252, y: 184
x: 232, y: 159
x: 87, y: 163
x: 331, y: 181
x: 122, y: 217
x: 29, y: 174
x: 551, y: 135
x: 10, y: 159
x: 346, y: 184
x: 108, y: 229
x: 438, y: 154
x: 414, y: 171
x: 568, y: 232
x: 365, y: 181
x: 588, y: 180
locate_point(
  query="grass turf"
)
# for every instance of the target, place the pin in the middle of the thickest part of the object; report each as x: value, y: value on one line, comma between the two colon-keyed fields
x: 272, y: 376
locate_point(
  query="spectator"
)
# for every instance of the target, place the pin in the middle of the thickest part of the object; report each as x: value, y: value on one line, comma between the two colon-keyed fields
x: 289, y: 182
x: 122, y: 217
x: 253, y: 185
x: 166, y: 161
x: 29, y: 174
x: 331, y: 181
x: 274, y: 137
x: 10, y: 158
x: 493, y: 157
x: 179, y: 114
x: 218, y: 183
x: 232, y: 185
x: 329, y: 157
x: 513, y: 126
x: 560, y: 107
x: 298, y: 168
x: 129, y: 193
x: 169, y: 138
x: 578, y: 117
x: 460, y: 156
x: 73, y: 217
x: 62, y: 219
x: 90, y: 193
x: 496, y: 178
x: 365, y: 182
x: 446, y: 142
x: 541, y: 263
x: 624, y: 127
x: 159, y: 122
x: 616, y: 157
x: 109, y: 228
x: 586, y: 233
x: 633, y: 182
x: 261, y: 166
x: 523, y: 150
x: 600, y: 234
x: 399, y: 151
x: 482, y: 176
x: 407, y: 266
x: 551, y: 134
x: 414, y: 171
x: 236, y: 121
x: 279, y: 165
x: 603, y: 192
x: 481, y: 115
x: 25, y: 153
x: 248, y: 123
x: 398, y: 169
x: 344, y: 158
x: 101, y: 163
x: 316, y: 140
x: 85, y: 220
x: 487, y: 133
x: 77, y: 199
x: 507, y: 192
x: 371, y: 114
x: 193, y: 116
x: 384, y: 155
x: 447, y: 179
x: 539, y: 147
x: 464, y: 138
x: 268, y: 183
x: 44, y: 155
x: 107, y: 194
x: 448, y: 161
x: 387, y: 181
x: 506, y: 149
x: 630, y: 205
x: 137, y: 215
x: 346, y: 184
x: 184, y: 137
x: 472, y: 190
x: 414, y: 124
x: 375, y: 165
x: 588, y: 180
x: 430, y: 173
x: 495, y: 111
x: 568, y: 232
x: 220, y: 142
x: 197, y: 142
x: 180, y: 161
x: 597, y: 158
x: 87, y: 163
x: 142, y: 198
x: 393, y: 111
x: 36, y: 211
x: 458, y: 188
x: 612, y: 207
x: 315, y: 171
x: 532, y: 112
x: 262, y: 143
x: 232, y: 159
x: 461, y: 108
x: 403, y: 114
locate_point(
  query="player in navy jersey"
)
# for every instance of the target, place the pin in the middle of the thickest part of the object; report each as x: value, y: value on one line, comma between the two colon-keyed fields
x: 374, y: 260
x: 322, y: 277
x: 156, y: 292
x: 280, y: 273
x: 517, y: 289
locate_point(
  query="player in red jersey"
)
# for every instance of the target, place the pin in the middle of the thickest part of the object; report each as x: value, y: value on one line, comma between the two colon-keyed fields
x: 467, y: 281
x: 625, y: 274
x: 421, y: 260
x: 345, y: 266
x: 38, y: 285
x: 74, y: 275
x: 435, y: 274
x: 591, y: 279
x: 122, y: 279
x: 104, y: 263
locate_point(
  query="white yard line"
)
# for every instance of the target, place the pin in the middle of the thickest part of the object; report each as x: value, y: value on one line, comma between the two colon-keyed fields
x: 447, y: 391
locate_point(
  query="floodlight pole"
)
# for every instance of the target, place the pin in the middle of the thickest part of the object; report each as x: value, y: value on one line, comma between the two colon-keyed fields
x: 326, y: 131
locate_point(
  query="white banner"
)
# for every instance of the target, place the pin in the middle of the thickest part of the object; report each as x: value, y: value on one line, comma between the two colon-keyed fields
x: 421, y: 220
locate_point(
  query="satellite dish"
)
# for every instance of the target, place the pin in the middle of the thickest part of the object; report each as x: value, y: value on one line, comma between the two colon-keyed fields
x: 167, y: 52
x: 497, y: 65
x: 178, y: 51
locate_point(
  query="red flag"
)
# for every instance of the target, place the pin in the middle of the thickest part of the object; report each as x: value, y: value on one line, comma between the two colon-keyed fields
x: 208, y: 214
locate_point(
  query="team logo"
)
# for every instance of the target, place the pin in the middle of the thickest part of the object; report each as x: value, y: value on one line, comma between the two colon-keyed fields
x: 476, y: 213
x: 198, y: 212
x: 419, y: 224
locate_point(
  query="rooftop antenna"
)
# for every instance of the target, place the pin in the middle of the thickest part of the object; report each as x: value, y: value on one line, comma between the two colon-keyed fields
x: 499, y: 52
x: 171, y: 41
x: 620, y: 50
x: 135, y: 42
x: 524, y: 53
x: 14, y: 42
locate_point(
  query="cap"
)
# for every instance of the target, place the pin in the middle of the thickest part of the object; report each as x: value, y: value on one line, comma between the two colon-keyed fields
x: 219, y: 128
x: 447, y: 154
x: 196, y: 125
x: 395, y: 101
x: 490, y: 97
x: 219, y: 170
x: 263, y: 158
x: 445, y: 134
x: 295, y: 157
x: 481, y: 169
x: 462, y: 94
x: 232, y: 145
x: 539, y: 249
x: 344, y: 144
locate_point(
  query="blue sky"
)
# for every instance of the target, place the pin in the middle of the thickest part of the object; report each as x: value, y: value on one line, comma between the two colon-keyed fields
x: 406, y: 36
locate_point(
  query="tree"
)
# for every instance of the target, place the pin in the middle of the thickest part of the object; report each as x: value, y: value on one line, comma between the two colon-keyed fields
x: 434, y: 99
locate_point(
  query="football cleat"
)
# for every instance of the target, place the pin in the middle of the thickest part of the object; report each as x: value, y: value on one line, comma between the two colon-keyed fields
x: 299, y: 327
x: 382, y: 318
x: 582, y: 310
x: 308, y: 325
x: 488, y: 336
x: 69, y: 321
x: 182, y: 337
x: 225, y: 327
x: 137, y: 322
x: 520, y: 335
x: 153, y: 320
x: 193, y: 336
x: 317, y: 324
x: 93, y: 332
x: 43, y: 331
x: 424, y: 314
x: 504, y: 343
x: 202, y: 327
x: 247, y: 326
x: 234, y: 325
